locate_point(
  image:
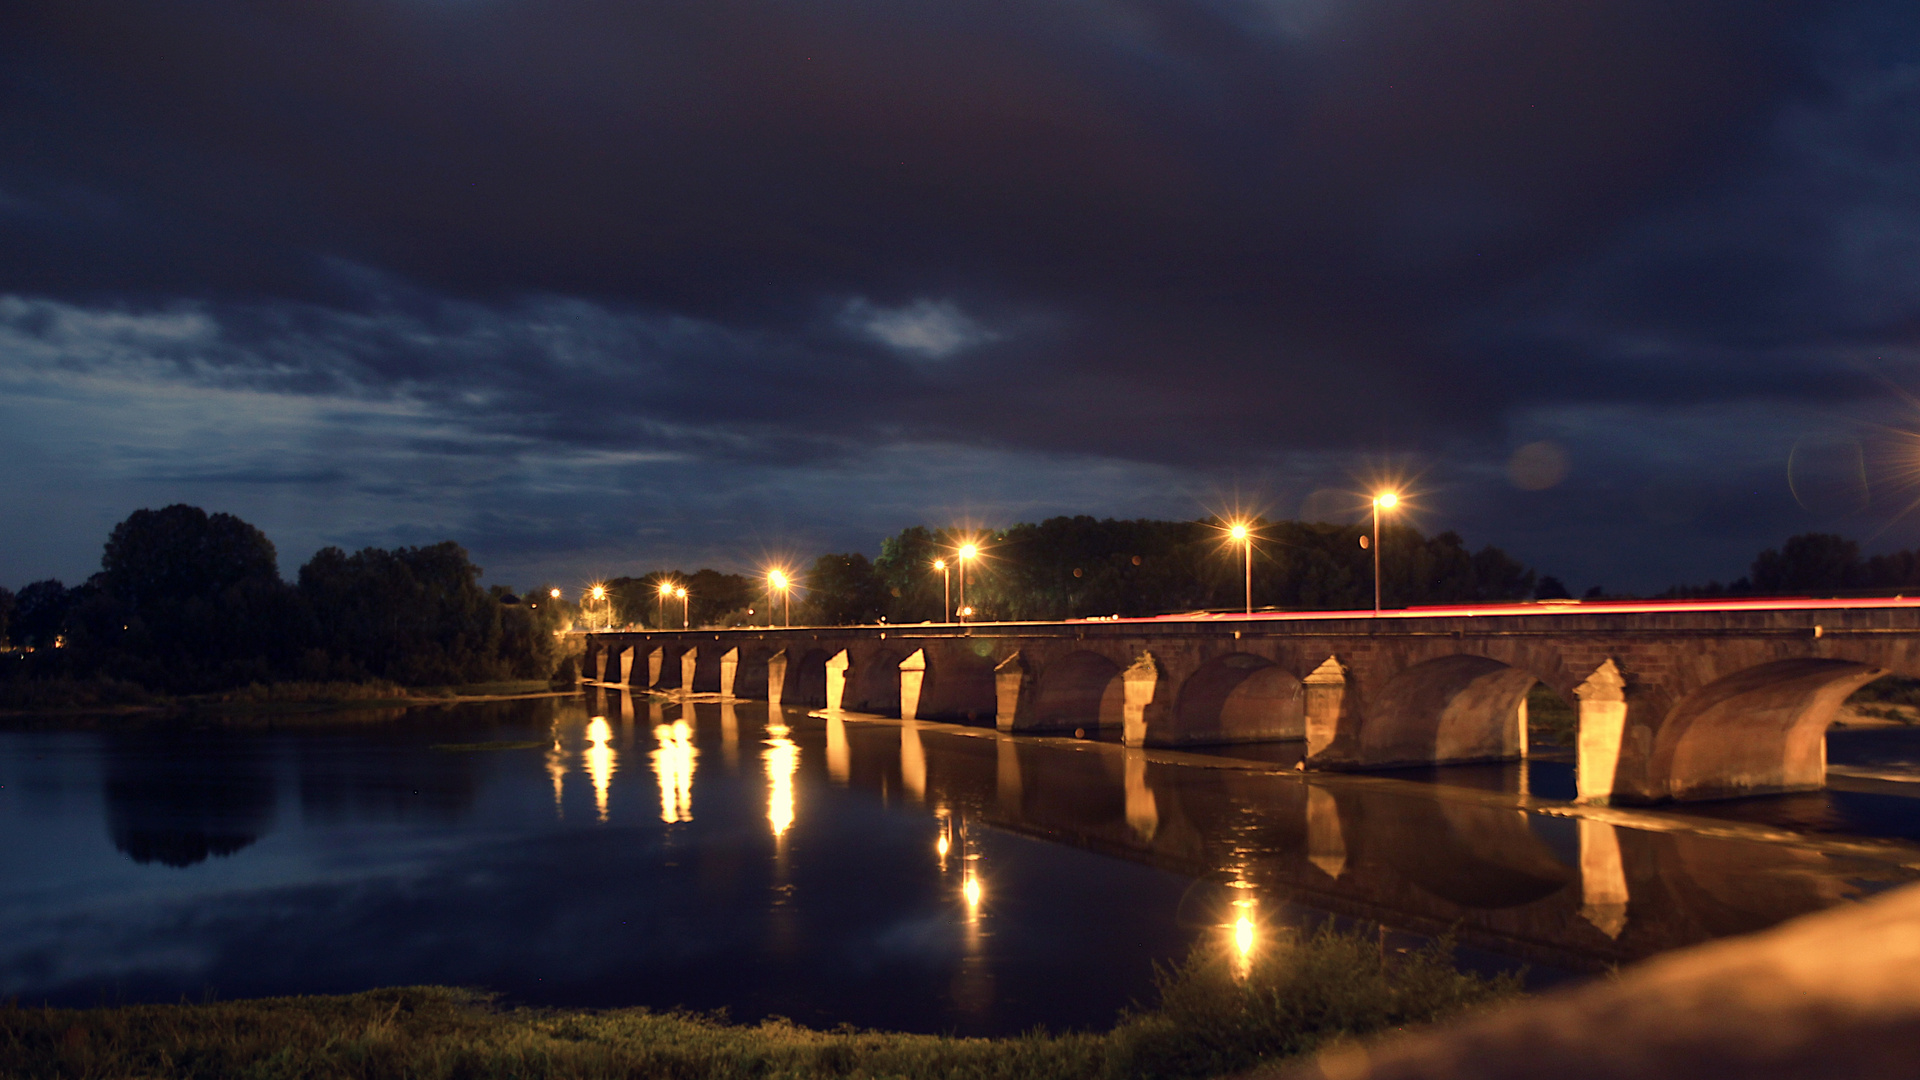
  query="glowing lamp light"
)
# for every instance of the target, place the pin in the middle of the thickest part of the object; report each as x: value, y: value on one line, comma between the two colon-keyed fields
x: 939, y: 564
x: 777, y: 579
x: 1386, y: 500
x: 971, y: 890
x: 555, y: 593
x: 680, y: 594
x: 1238, y: 532
x: 943, y: 845
x: 599, y: 592
x: 666, y: 588
x: 969, y: 551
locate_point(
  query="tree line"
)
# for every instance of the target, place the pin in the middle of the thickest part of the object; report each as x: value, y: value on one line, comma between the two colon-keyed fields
x: 1817, y: 564
x: 1072, y: 567
x: 187, y: 601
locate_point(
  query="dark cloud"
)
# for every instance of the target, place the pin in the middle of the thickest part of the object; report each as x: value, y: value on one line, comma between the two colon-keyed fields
x: 759, y: 244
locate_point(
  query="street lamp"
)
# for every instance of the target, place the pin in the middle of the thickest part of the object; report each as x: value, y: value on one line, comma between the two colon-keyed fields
x: 686, y: 607
x: 1244, y: 536
x: 1386, y: 500
x: 967, y: 553
x: 660, y: 606
x: 600, y: 596
x: 777, y: 582
x: 946, y: 591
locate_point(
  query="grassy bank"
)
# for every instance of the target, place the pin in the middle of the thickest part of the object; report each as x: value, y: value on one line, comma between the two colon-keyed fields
x: 110, y: 697
x: 1298, y: 997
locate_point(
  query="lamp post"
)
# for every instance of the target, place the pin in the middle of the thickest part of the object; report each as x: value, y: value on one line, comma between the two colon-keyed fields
x: 946, y: 590
x: 967, y: 553
x: 1244, y: 535
x: 777, y: 582
x: 686, y: 606
x: 599, y: 594
x: 1386, y: 500
x: 660, y: 608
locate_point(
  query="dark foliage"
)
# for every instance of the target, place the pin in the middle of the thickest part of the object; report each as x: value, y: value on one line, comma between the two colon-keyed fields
x: 1082, y: 566
x: 416, y: 616
x: 190, y: 602
x: 844, y: 590
x: 713, y: 599
x: 1817, y: 564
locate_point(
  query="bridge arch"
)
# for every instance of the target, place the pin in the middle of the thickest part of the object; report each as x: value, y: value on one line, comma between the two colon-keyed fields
x: 807, y: 680
x: 1760, y: 729
x: 1457, y: 708
x: 1240, y: 697
x: 1080, y: 689
x: 874, y: 682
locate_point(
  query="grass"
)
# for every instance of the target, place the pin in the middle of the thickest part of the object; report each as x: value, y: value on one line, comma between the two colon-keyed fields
x: 1299, y: 996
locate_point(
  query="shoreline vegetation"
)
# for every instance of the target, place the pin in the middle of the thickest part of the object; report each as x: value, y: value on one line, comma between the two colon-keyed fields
x: 112, y: 699
x: 1301, y: 994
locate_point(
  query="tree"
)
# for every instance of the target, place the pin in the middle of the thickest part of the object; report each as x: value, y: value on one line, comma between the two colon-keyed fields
x: 843, y: 590
x: 1809, y: 563
x: 40, y: 613
x: 416, y: 615
x: 158, y: 559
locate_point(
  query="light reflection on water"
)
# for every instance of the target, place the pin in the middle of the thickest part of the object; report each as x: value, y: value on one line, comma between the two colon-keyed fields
x: 882, y: 873
x: 673, y: 761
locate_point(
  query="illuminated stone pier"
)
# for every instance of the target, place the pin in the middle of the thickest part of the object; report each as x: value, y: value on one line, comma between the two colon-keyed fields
x: 1675, y: 701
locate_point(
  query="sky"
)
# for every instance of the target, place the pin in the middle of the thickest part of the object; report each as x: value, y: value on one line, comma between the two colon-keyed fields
x: 1629, y: 288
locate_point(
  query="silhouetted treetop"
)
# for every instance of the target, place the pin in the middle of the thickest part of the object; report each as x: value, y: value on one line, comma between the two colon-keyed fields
x: 158, y: 557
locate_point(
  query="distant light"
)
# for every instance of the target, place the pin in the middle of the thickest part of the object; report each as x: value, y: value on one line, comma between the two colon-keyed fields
x: 972, y: 891
x: 555, y: 593
x: 1238, y: 531
x: 967, y: 611
x: 942, y: 845
x: 939, y: 564
x: 666, y: 588
x: 777, y: 579
x: 1386, y: 500
x: 968, y: 551
x: 680, y: 594
x: 599, y: 592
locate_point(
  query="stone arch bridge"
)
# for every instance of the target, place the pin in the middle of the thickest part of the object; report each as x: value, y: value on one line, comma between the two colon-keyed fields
x: 1676, y: 701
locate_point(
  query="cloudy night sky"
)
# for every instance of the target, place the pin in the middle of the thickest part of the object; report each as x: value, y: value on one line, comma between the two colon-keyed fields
x: 1630, y: 288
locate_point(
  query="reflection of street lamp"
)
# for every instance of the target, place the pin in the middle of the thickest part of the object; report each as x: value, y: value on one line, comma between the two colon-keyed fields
x: 1244, y: 536
x: 686, y: 607
x: 967, y: 553
x: 946, y: 592
x: 1386, y: 500
x: 777, y: 582
x: 660, y: 607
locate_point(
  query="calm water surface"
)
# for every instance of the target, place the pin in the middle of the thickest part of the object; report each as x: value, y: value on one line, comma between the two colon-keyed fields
x: 603, y: 851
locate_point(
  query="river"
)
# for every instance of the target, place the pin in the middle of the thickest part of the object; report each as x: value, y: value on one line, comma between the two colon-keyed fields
x: 605, y: 850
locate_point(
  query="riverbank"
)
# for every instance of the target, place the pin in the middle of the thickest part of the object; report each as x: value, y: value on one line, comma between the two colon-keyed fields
x: 1213, y: 1018
x: 109, y: 700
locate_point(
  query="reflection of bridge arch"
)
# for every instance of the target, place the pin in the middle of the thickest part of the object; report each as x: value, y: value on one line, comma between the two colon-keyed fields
x: 1081, y: 689
x: 1240, y: 698
x: 1478, y: 857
